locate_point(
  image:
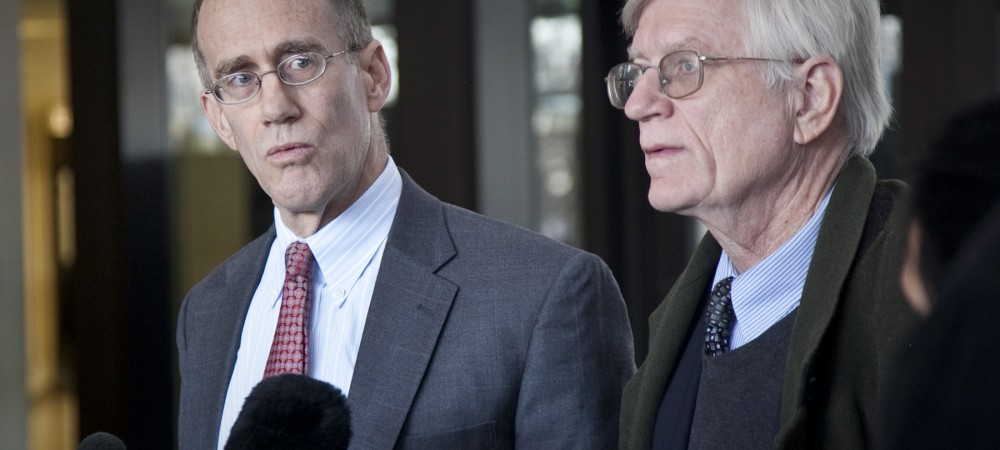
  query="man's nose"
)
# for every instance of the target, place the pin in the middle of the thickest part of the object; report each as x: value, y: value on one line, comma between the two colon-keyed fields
x: 278, y: 104
x: 647, y: 98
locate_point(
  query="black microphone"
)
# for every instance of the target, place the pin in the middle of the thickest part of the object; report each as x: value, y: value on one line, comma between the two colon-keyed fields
x: 292, y: 411
x: 101, y: 441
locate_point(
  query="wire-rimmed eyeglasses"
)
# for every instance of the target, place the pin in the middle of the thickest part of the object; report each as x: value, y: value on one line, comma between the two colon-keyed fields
x: 294, y: 70
x: 680, y: 73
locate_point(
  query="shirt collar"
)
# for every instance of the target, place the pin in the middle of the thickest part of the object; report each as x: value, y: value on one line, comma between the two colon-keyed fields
x: 781, y: 275
x: 345, y: 246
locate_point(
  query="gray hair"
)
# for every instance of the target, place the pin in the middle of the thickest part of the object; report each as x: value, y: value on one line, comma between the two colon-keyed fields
x: 354, y: 32
x: 846, y: 30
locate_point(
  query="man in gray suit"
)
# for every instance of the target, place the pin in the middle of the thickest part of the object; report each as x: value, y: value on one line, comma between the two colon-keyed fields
x: 445, y: 328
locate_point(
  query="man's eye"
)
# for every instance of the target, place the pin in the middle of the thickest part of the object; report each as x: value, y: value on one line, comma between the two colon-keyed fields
x: 240, y: 79
x: 685, y: 66
x: 301, y: 62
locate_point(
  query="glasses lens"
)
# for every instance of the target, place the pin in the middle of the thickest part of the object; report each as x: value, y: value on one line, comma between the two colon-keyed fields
x: 302, y: 68
x: 236, y: 87
x: 621, y: 82
x: 680, y: 74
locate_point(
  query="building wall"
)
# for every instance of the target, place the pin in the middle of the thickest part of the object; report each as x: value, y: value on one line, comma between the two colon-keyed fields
x: 13, y: 404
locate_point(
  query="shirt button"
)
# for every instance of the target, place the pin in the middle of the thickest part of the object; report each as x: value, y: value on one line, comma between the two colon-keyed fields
x: 340, y: 293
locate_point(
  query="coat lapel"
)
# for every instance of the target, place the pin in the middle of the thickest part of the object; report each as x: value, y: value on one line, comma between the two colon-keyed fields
x: 678, y: 311
x: 836, y: 248
x: 409, y: 306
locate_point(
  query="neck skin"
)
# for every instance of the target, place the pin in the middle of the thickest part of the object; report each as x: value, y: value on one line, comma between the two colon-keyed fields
x: 763, y: 220
x: 307, y: 223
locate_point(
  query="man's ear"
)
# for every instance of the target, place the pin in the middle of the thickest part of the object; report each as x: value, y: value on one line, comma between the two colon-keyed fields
x: 376, y: 73
x: 820, y: 85
x: 213, y: 112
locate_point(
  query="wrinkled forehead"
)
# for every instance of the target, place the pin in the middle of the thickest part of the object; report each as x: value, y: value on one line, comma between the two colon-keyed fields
x: 252, y: 28
x: 707, y: 26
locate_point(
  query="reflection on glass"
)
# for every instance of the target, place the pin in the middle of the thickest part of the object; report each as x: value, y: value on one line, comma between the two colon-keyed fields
x: 886, y: 156
x: 892, y: 48
x: 556, y: 42
x: 188, y: 128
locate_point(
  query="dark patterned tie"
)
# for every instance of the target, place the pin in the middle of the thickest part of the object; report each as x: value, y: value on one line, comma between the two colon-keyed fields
x: 290, y: 347
x: 720, y: 318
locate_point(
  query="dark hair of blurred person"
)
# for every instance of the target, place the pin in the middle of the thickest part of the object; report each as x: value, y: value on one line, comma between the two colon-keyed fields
x: 943, y: 391
x: 956, y: 185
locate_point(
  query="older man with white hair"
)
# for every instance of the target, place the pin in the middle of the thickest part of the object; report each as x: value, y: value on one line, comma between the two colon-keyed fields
x: 756, y: 118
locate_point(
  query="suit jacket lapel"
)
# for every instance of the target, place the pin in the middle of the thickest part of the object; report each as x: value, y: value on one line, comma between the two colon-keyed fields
x: 224, y: 324
x: 408, y: 310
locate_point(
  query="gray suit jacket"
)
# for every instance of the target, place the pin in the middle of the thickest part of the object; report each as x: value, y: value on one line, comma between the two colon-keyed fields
x: 480, y: 335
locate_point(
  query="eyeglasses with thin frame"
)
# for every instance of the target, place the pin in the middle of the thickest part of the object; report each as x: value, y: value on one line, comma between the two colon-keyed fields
x: 295, y: 70
x: 680, y: 73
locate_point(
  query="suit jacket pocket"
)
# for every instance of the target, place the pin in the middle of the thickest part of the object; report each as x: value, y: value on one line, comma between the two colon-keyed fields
x: 477, y: 437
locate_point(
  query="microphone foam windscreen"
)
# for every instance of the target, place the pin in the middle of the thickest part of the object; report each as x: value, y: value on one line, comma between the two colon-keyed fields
x: 292, y: 411
x: 101, y: 441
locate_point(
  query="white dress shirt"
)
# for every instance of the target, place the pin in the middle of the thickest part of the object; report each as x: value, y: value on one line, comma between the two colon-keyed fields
x: 348, y: 254
x: 771, y: 289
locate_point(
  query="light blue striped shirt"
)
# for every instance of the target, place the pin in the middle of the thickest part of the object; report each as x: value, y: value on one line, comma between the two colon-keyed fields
x: 348, y: 254
x: 772, y: 289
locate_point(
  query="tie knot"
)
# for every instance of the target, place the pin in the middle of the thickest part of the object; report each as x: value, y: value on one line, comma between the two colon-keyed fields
x: 723, y: 287
x: 298, y: 259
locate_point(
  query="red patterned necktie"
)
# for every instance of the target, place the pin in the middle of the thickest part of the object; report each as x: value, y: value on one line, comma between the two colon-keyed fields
x: 290, y: 348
